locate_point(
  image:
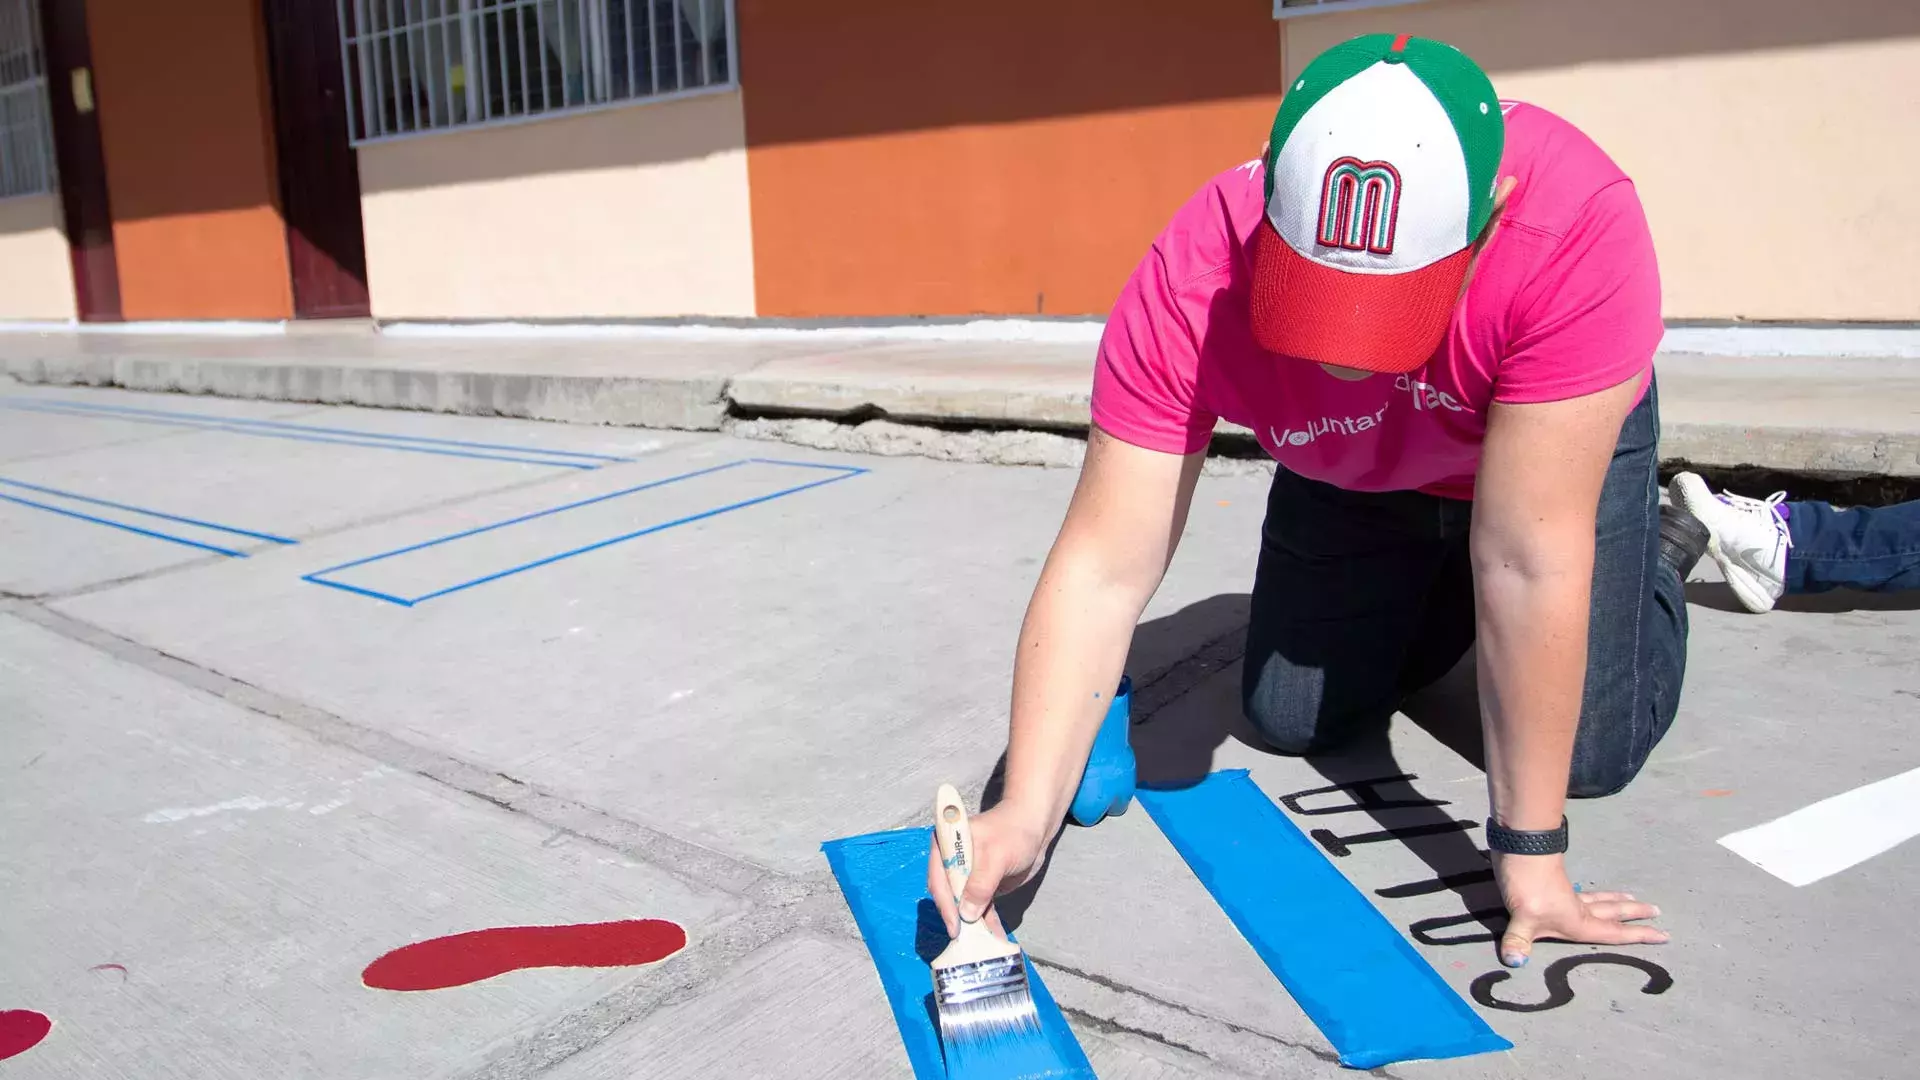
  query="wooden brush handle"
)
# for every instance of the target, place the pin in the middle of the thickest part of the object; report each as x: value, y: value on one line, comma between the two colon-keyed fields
x: 955, y: 838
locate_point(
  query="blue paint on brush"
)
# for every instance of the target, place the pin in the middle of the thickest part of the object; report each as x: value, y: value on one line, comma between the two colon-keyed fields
x: 1374, y: 998
x: 884, y: 879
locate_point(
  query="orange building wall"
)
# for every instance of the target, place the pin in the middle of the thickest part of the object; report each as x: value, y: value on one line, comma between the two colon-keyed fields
x: 182, y: 92
x: 1002, y: 156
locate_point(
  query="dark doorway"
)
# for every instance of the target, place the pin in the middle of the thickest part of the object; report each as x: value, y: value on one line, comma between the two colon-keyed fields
x: 81, y: 159
x: 319, y: 175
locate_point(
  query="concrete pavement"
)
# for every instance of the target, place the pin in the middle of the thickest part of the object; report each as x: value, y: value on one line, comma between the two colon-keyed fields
x: 234, y: 782
x: 1824, y: 414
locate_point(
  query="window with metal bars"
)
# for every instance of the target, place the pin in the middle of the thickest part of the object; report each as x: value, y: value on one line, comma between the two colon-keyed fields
x: 1287, y: 9
x: 26, y: 128
x: 415, y: 66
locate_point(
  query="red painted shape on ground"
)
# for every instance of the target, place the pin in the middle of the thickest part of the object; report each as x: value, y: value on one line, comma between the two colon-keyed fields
x: 1717, y: 792
x: 121, y: 968
x: 21, y: 1030
x: 459, y: 959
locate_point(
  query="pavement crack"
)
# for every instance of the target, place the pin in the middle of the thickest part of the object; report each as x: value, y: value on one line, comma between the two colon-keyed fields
x: 697, y: 865
x: 1110, y: 1027
x: 192, y: 563
x: 1158, y: 689
x: 1124, y: 990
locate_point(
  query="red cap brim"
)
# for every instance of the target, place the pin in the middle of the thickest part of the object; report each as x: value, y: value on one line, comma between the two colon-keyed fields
x: 1372, y: 322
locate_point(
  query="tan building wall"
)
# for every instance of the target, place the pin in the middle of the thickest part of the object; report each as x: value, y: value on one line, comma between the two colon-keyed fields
x: 631, y: 212
x: 1773, y: 142
x: 36, y: 276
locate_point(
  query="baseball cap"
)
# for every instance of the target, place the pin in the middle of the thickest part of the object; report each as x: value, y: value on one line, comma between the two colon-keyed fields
x: 1380, y: 175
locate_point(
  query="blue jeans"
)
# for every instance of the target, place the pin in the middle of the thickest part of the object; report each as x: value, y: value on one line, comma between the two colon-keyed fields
x: 1362, y: 598
x: 1866, y: 548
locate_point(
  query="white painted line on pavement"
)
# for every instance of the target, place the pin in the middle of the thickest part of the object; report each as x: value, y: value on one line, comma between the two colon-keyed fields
x: 1833, y: 834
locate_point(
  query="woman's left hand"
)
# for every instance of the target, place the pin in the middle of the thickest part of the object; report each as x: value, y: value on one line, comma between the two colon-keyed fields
x: 1542, y: 904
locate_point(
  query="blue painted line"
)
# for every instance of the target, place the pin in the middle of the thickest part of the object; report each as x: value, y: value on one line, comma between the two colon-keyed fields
x: 267, y: 434
x: 123, y: 526
x: 129, y: 410
x: 344, y: 587
x: 844, y: 472
x: 149, y: 513
x: 689, y: 519
x: 884, y: 879
x: 1371, y: 994
x: 801, y: 464
x: 475, y: 531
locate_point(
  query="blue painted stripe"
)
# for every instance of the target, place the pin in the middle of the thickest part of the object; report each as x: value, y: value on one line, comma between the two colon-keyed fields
x: 148, y: 513
x: 843, y: 472
x: 1374, y: 998
x: 344, y: 587
x: 884, y: 879
x: 478, y: 529
x: 123, y: 526
x: 230, y: 429
x: 129, y: 410
x: 677, y: 522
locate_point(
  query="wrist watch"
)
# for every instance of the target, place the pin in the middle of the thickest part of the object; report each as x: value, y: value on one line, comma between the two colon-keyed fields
x: 1526, y: 841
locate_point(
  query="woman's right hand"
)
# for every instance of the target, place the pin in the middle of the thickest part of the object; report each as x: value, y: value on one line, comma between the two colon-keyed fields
x: 1009, y: 847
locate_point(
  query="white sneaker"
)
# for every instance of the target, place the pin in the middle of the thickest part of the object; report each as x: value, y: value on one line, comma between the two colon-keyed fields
x: 1750, y: 538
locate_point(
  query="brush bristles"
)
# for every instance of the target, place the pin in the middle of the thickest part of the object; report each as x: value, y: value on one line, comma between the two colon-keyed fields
x: 1008, y: 1014
x: 986, y: 1011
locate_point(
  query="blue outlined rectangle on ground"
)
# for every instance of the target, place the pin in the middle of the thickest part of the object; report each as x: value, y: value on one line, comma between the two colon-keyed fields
x: 143, y: 521
x: 448, y: 564
x: 1374, y: 998
x: 884, y: 879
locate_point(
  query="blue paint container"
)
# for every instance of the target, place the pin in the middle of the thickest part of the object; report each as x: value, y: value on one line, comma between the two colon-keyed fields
x: 1106, y: 786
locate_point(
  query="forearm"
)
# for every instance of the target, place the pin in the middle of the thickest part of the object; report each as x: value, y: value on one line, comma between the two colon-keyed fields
x: 1532, y: 667
x: 1072, y: 650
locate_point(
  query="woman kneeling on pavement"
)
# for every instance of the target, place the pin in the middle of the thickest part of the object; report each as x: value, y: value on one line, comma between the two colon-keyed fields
x: 1438, y: 310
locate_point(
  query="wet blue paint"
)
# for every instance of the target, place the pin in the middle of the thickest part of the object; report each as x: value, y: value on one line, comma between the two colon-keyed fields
x: 884, y: 879
x: 1374, y: 998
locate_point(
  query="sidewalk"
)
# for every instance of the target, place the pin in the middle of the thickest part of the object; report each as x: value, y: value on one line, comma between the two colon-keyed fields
x: 1811, y: 415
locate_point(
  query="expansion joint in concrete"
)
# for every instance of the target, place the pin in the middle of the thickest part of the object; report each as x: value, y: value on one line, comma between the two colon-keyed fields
x: 693, y: 864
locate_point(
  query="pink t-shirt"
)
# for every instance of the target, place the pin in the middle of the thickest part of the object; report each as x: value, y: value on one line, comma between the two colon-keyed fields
x: 1565, y: 301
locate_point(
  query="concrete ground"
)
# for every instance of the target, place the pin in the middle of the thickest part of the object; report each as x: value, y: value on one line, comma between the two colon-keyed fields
x: 235, y: 779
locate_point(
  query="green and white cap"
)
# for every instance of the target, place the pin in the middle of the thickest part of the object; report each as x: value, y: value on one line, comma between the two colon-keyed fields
x: 1380, y: 175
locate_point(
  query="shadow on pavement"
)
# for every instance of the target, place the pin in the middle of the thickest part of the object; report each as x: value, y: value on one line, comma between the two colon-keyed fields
x: 1363, y: 777
x: 1718, y: 595
x: 1368, y: 796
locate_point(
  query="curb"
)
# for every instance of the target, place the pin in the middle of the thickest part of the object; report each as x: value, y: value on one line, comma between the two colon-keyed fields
x: 708, y: 402
x: 682, y: 403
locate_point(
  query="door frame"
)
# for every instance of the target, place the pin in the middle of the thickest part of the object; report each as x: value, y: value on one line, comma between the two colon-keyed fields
x: 318, y: 170
x: 81, y: 159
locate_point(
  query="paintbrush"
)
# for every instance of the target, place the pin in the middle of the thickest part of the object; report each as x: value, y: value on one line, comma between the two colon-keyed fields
x: 980, y: 988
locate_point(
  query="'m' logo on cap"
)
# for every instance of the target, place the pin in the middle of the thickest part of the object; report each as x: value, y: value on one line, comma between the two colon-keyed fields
x: 1359, y: 205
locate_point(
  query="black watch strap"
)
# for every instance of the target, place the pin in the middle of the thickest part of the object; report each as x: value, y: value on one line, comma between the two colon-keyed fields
x: 1526, y: 841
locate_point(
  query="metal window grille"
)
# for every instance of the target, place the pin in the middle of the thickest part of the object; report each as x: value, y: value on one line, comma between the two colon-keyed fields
x: 1288, y: 9
x: 415, y: 66
x: 26, y: 127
